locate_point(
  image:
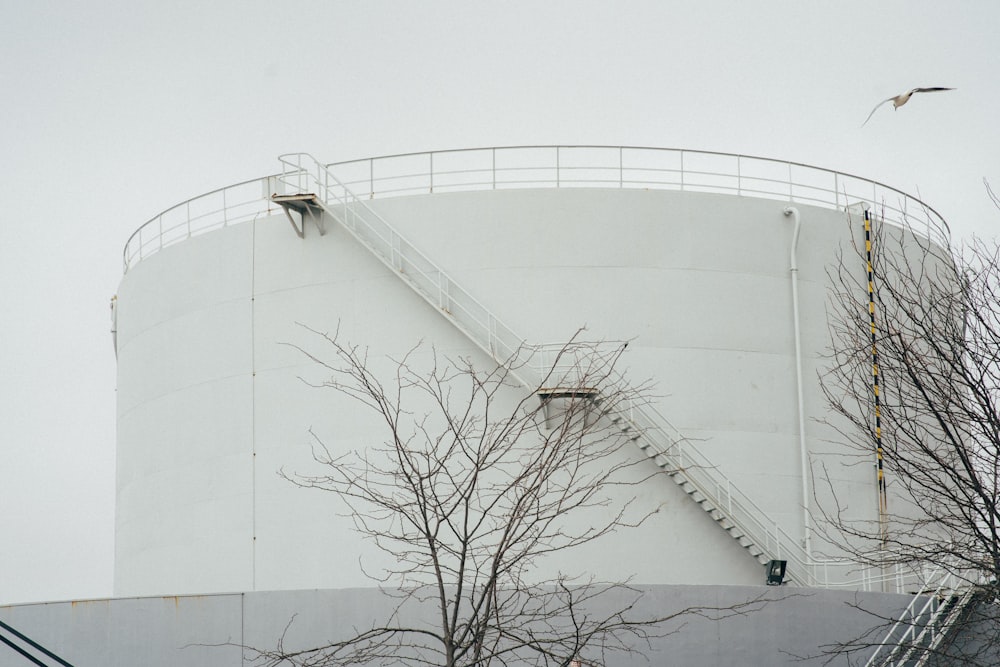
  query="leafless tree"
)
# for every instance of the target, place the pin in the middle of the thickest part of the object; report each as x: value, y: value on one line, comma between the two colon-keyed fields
x: 915, y: 377
x: 479, y: 493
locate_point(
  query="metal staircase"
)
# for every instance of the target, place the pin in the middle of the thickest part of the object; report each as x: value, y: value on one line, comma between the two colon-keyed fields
x: 942, y: 633
x: 303, y: 175
x: 930, y: 620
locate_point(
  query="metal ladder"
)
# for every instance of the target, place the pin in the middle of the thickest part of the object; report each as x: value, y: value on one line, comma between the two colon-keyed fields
x: 309, y: 183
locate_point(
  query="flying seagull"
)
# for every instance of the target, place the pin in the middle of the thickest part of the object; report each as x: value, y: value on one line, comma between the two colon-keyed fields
x: 900, y: 100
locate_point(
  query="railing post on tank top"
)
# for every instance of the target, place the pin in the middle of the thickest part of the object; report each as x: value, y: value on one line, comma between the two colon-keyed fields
x: 558, y: 176
x: 621, y: 168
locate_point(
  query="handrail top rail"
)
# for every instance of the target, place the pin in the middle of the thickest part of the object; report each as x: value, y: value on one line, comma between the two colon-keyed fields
x: 632, y: 147
x: 203, y: 195
x: 136, y: 244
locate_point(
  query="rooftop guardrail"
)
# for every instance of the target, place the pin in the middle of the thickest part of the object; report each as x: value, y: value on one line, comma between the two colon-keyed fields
x: 511, y: 167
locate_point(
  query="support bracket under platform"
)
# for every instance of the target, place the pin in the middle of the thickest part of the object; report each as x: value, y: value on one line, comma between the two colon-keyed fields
x: 307, y: 205
x: 549, y: 394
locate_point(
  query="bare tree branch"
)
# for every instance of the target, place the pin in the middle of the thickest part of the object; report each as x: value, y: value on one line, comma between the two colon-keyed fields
x: 477, y: 484
x: 935, y: 350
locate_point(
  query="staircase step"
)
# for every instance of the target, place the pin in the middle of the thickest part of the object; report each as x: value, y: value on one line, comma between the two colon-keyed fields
x: 668, y: 467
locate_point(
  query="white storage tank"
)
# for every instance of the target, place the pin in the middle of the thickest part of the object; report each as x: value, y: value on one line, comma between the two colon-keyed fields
x: 687, y: 255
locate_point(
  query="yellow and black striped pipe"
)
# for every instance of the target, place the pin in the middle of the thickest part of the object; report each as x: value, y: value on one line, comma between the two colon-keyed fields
x: 882, y: 500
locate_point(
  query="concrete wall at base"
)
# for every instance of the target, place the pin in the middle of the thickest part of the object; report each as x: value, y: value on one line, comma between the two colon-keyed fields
x: 207, y: 631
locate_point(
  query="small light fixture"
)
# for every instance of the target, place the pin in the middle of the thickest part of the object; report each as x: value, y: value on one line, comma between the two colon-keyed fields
x: 776, y: 572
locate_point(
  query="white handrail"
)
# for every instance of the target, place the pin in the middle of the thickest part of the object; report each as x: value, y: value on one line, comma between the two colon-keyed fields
x: 306, y: 174
x: 929, y: 601
x: 667, y: 443
x: 636, y: 167
x: 553, y: 167
x: 940, y: 631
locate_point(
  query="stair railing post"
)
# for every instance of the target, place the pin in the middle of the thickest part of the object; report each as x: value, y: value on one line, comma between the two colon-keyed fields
x: 491, y: 335
x: 443, y: 292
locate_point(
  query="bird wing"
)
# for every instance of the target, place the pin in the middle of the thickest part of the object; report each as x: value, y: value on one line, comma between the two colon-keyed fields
x: 929, y: 90
x: 890, y: 99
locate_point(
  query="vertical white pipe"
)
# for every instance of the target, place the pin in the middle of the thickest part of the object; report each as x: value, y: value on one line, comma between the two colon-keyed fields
x: 803, y: 451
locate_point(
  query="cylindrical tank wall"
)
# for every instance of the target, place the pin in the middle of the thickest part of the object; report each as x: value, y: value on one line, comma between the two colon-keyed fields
x: 212, y: 404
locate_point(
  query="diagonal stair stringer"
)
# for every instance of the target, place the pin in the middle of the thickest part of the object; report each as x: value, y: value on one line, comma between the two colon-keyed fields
x: 732, y: 510
x: 933, y: 617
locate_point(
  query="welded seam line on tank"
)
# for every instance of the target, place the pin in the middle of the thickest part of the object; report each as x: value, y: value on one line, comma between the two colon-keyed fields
x: 253, y: 406
x: 882, y: 501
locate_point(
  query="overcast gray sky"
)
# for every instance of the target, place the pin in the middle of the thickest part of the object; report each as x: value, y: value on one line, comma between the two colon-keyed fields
x: 114, y: 111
